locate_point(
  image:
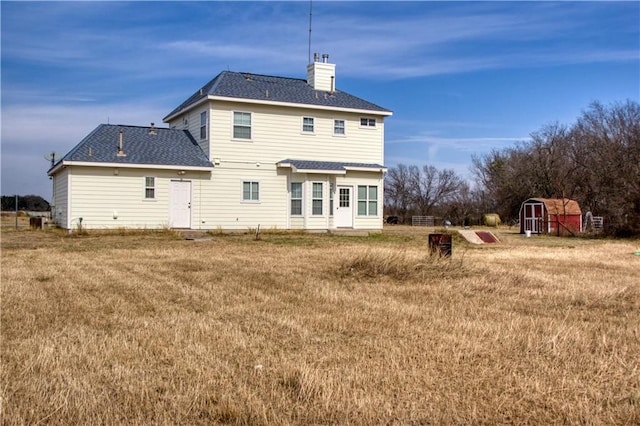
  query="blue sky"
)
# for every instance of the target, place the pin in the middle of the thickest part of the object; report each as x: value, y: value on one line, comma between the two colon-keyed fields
x: 462, y: 78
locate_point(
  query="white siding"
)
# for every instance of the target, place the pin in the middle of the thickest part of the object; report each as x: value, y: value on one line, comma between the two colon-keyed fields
x: 60, y: 202
x: 191, y: 122
x: 277, y: 135
x: 319, y: 76
x: 104, y: 199
x: 222, y: 202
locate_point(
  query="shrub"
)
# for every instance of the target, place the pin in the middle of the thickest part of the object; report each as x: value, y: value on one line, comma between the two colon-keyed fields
x: 401, y: 265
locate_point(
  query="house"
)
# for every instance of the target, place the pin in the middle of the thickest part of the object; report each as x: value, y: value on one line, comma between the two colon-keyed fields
x: 550, y: 216
x: 243, y: 151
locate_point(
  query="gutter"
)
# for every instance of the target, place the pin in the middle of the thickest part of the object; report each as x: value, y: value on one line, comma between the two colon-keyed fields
x: 66, y: 163
x: 276, y: 103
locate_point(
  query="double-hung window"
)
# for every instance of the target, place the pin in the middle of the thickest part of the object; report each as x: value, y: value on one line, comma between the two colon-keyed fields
x: 367, y: 122
x: 338, y: 127
x: 241, y: 125
x: 296, y: 198
x: 149, y: 187
x: 316, y: 198
x: 367, y: 200
x: 250, y: 191
x: 203, y: 125
x: 308, y: 124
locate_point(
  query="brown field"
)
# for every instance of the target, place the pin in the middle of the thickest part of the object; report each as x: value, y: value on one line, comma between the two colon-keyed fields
x: 148, y: 328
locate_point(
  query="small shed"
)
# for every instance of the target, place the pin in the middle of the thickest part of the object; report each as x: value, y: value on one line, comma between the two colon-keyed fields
x: 550, y: 216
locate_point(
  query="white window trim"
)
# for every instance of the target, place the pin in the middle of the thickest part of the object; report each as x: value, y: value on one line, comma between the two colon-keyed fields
x: 322, y: 197
x: 367, y: 126
x: 145, y: 187
x: 367, y: 200
x: 307, y: 132
x: 302, y: 185
x: 233, y: 125
x: 205, y: 125
x: 344, y: 122
x: 252, y: 180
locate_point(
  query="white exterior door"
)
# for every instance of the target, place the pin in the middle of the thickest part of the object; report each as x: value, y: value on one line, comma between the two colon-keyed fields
x: 179, y: 204
x: 344, y: 209
x: 533, y: 217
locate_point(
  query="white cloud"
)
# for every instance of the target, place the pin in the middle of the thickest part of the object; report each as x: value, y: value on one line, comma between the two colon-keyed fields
x: 461, y: 144
x: 31, y: 131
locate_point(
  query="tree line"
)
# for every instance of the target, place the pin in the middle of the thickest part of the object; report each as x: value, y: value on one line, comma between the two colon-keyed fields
x: 32, y: 203
x: 595, y: 161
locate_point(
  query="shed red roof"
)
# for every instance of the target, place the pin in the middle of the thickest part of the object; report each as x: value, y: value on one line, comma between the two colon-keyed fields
x: 560, y: 205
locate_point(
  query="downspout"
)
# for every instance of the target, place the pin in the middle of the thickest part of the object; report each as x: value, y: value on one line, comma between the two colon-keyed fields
x: 328, y: 186
x: 305, y: 210
x: 288, y: 203
x: 68, y: 209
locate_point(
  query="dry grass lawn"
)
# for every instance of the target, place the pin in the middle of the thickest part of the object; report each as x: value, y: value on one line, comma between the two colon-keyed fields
x: 147, y: 328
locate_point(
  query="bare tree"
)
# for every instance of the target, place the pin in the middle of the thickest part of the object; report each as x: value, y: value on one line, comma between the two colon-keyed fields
x: 505, y: 178
x: 465, y: 204
x: 411, y: 190
x: 398, y: 190
x: 606, y: 151
x: 550, y: 166
x: 433, y: 186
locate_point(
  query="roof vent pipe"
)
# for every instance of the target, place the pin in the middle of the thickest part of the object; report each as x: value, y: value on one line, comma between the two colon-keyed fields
x: 316, y: 57
x: 120, y: 145
x: 325, y: 57
x: 152, y: 130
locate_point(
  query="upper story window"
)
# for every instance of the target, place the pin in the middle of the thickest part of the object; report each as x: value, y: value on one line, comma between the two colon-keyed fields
x: 203, y: 125
x: 149, y: 187
x: 308, y: 124
x: 338, y: 127
x: 241, y: 125
x: 367, y: 122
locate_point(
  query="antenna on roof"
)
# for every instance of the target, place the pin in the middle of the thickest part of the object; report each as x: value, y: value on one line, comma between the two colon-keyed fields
x: 51, y: 157
x: 310, y: 10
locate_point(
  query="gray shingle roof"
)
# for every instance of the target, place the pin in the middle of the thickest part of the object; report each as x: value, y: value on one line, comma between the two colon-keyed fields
x: 275, y: 89
x: 328, y: 165
x: 167, y: 147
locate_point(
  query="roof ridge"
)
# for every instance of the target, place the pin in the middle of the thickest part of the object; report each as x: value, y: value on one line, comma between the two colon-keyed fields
x: 253, y: 74
x: 136, y: 126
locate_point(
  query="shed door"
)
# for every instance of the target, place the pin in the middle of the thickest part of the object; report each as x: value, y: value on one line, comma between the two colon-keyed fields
x: 179, y: 204
x: 533, y: 217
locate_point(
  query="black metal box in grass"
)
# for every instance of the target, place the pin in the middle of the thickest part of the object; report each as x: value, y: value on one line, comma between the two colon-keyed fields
x: 440, y: 244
